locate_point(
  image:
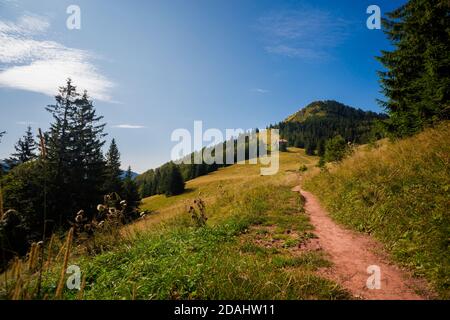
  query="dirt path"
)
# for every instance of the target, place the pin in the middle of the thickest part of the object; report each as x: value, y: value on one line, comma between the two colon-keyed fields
x: 352, y: 253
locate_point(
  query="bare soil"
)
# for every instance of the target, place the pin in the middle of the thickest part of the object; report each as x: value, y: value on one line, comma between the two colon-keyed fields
x: 352, y: 253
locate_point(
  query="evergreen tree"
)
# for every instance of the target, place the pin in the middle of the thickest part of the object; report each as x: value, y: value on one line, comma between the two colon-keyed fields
x: 1, y: 164
x: 75, y: 160
x: 417, y: 76
x: 157, y: 185
x: 174, y: 181
x: 171, y: 181
x: 310, y: 148
x: 335, y: 149
x: 25, y: 149
x: 200, y: 169
x: 131, y: 195
x: 60, y: 154
x: 321, y: 148
x: 88, y: 165
x: 298, y: 143
x: 113, y: 173
x: 150, y: 187
x: 321, y: 163
x: 49, y: 191
x: 23, y: 191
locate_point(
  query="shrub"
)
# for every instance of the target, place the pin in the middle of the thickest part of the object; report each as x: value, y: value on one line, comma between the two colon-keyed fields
x: 336, y: 149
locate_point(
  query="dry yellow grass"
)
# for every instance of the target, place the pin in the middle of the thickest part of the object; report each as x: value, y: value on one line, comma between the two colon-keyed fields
x: 215, y: 184
x: 68, y: 245
x: 238, y: 197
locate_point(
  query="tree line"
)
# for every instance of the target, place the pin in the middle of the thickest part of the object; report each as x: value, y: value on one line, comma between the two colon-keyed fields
x: 49, y: 180
x: 328, y: 119
x: 170, y: 178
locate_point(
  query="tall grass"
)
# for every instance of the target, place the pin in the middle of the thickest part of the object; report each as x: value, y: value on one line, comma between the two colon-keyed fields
x: 400, y: 193
x: 184, y: 261
x: 178, y: 257
x: 23, y: 279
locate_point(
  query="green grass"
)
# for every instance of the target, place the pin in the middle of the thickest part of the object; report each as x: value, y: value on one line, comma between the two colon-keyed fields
x: 400, y: 193
x: 248, y: 250
x: 178, y: 261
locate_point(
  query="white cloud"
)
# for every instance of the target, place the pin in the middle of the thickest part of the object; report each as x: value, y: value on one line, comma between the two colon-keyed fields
x: 27, y: 24
x: 45, y: 76
x: 43, y: 65
x: 295, y: 52
x: 26, y: 123
x: 129, y: 126
x: 259, y: 90
x: 305, y: 33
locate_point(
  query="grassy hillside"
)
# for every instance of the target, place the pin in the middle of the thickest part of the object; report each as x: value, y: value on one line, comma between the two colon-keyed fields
x: 212, y: 186
x: 400, y: 193
x: 249, y: 249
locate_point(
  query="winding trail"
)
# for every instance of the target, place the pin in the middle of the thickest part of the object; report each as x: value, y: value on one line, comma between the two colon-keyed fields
x: 352, y: 253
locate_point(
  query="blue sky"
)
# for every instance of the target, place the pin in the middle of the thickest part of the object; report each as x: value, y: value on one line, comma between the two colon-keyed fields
x: 155, y: 66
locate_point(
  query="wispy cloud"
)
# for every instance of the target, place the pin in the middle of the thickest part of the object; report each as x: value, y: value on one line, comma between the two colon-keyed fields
x: 26, y: 123
x: 259, y: 90
x: 305, y: 33
x: 32, y: 64
x: 129, y: 126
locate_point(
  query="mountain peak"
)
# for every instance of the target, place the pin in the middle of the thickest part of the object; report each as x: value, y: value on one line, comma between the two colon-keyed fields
x: 328, y: 108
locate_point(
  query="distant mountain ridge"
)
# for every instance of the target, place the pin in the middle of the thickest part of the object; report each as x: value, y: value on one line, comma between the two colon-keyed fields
x: 124, y: 173
x: 4, y: 166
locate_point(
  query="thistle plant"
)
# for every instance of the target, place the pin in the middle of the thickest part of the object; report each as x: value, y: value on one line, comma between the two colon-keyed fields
x: 198, y: 212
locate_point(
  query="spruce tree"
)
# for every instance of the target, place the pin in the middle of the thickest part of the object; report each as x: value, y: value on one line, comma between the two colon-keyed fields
x: 60, y: 152
x: 157, y: 186
x: 74, y: 157
x: 192, y: 171
x: 113, y: 173
x: 174, y: 183
x: 321, y: 148
x: 146, y: 182
x: 298, y: 143
x: 88, y: 165
x: 25, y: 149
x: 416, y: 79
x: 131, y: 195
x: 310, y: 148
x: 335, y: 149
